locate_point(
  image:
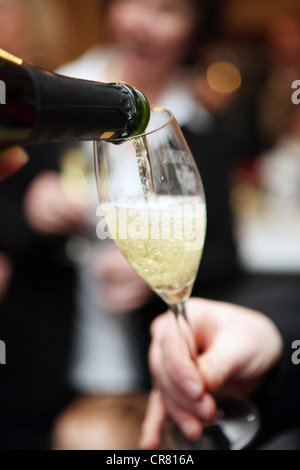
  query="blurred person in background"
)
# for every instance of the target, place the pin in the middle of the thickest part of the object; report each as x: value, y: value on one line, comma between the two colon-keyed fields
x: 279, y: 167
x: 152, y: 45
x: 36, y: 314
x: 11, y: 160
x: 266, y: 196
x: 282, y: 68
x: 36, y: 282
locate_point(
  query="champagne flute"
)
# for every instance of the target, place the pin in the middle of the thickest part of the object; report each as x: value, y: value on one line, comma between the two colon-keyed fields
x: 153, y: 201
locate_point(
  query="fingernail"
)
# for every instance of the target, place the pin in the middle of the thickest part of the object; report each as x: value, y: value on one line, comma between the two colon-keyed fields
x: 192, y: 389
x: 206, y: 409
x: 191, y: 429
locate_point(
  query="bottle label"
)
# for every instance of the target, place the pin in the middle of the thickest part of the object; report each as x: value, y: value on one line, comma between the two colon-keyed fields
x: 7, y: 56
x: 2, y: 353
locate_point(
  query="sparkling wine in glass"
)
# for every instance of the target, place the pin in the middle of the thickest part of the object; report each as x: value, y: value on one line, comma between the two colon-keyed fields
x: 152, y: 199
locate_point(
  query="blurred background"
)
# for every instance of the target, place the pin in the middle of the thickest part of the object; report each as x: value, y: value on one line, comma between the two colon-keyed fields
x: 245, y: 64
x: 262, y: 40
x: 61, y: 30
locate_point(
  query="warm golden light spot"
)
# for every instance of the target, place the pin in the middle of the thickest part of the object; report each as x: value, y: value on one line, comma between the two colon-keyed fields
x: 224, y: 77
x: 12, y: 58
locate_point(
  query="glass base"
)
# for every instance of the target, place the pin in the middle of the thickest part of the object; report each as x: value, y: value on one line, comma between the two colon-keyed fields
x: 236, y: 428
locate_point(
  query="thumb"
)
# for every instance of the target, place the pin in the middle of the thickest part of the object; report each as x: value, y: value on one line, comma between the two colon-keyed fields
x: 217, y: 365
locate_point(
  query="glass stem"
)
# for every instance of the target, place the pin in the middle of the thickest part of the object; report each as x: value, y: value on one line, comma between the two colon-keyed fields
x: 180, y: 313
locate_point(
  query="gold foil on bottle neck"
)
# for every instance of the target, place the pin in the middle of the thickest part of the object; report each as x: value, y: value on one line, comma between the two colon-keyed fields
x: 106, y: 135
x: 6, y: 55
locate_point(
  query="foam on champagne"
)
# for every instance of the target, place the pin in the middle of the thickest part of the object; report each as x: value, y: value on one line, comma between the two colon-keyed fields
x: 163, y: 241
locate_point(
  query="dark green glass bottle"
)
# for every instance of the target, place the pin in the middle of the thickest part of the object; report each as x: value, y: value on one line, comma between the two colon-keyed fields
x: 38, y: 105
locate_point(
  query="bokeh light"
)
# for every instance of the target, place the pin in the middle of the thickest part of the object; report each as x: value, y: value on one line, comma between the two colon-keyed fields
x: 224, y: 77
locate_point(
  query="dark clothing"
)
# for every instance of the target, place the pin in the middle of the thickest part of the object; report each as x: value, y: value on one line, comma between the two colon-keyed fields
x: 278, y: 297
x: 219, y: 262
x: 35, y: 317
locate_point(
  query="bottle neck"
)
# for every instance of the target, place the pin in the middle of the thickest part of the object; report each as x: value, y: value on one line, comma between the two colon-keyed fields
x: 18, y: 114
x: 43, y: 106
x: 72, y: 109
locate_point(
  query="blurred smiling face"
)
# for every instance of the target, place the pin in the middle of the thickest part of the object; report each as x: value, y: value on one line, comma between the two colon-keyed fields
x: 154, y: 35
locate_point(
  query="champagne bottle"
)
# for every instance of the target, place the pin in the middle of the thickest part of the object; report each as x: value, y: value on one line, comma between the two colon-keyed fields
x: 38, y: 105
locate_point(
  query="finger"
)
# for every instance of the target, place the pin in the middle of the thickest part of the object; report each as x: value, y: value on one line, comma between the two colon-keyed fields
x: 180, y: 407
x: 219, y: 343
x: 220, y: 362
x: 203, y: 410
x: 169, y: 329
x: 189, y: 424
x: 179, y: 374
x: 153, y: 422
x: 12, y: 160
x: 176, y: 394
